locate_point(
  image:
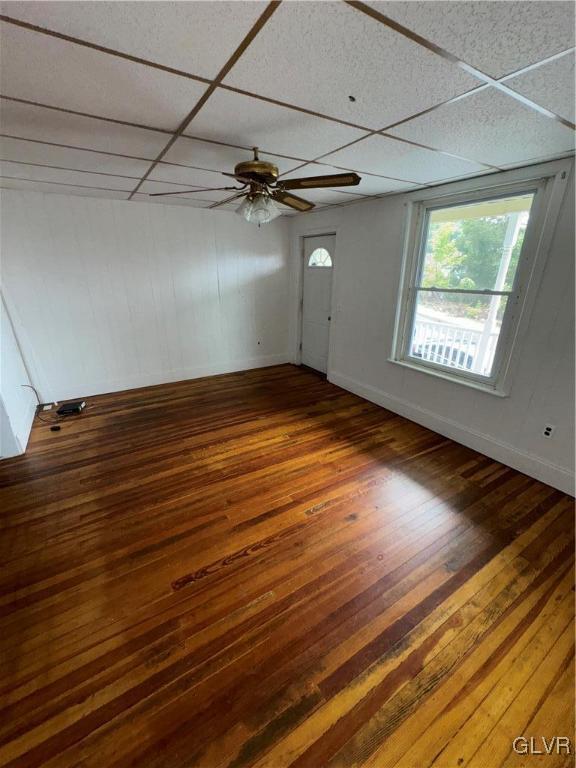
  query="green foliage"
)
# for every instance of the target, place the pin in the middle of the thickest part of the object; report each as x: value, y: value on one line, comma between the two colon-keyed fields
x: 443, y: 259
x: 466, y: 254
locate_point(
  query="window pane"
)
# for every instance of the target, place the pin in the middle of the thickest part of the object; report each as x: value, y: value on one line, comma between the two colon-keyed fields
x: 320, y: 258
x: 475, y: 246
x: 459, y: 331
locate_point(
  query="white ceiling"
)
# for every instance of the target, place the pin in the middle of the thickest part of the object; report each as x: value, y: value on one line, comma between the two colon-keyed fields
x: 489, y: 127
x: 246, y: 121
x: 92, y: 114
x: 381, y: 154
x: 551, y: 85
x: 51, y: 71
x: 495, y: 37
x: 322, y: 53
x: 193, y: 37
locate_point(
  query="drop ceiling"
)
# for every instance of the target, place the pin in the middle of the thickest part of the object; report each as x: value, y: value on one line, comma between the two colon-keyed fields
x: 127, y: 99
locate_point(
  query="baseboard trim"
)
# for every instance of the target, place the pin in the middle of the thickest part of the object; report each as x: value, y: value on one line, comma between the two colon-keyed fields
x: 90, y: 389
x: 551, y: 474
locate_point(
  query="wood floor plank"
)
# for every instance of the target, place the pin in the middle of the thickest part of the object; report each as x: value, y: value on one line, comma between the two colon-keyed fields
x: 466, y: 717
x: 468, y: 600
x: 261, y: 569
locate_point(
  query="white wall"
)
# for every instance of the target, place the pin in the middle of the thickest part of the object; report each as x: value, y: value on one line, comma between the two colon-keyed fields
x: 17, y: 403
x: 108, y: 295
x: 369, y: 253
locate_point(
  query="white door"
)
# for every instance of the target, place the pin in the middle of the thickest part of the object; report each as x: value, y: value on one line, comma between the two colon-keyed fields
x: 316, y: 299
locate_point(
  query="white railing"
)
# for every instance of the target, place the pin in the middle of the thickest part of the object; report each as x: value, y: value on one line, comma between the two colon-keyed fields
x: 453, y: 346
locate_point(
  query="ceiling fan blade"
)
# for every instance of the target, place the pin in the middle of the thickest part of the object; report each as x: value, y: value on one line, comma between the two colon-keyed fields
x: 228, y: 199
x: 188, y: 191
x: 292, y: 201
x: 335, y: 180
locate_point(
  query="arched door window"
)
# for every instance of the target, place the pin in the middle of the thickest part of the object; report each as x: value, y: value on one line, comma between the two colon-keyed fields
x: 320, y: 258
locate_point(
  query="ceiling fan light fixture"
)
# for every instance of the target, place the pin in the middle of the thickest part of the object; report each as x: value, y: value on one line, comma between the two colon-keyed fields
x: 258, y: 209
x: 262, y: 189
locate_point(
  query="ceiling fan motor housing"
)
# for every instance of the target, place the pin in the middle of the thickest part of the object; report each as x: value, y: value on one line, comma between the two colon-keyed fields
x: 258, y: 171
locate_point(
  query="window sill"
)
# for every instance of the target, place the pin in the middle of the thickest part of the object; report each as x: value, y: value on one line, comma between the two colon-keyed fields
x: 472, y: 384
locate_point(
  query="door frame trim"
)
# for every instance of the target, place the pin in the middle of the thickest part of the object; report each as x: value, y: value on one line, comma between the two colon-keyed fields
x: 300, y: 293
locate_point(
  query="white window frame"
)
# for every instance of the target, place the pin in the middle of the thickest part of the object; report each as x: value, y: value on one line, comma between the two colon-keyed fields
x: 548, y: 189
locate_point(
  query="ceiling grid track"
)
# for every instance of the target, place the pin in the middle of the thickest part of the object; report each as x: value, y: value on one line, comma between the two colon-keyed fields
x: 450, y: 57
x: 102, y: 49
x: 486, y: 82
x: 262, y: 19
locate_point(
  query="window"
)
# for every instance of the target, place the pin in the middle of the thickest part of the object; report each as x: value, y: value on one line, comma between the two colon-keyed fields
x: 468, y: 264
x: 320, y: 258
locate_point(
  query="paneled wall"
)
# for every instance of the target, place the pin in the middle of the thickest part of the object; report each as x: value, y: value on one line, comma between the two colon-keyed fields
x: 17, y: 403
x: 369, y: 252
x: 108, y: 295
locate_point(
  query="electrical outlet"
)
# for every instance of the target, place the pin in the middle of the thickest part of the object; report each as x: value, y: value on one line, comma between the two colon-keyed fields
x: 548, y: 430
x: 46, y: 406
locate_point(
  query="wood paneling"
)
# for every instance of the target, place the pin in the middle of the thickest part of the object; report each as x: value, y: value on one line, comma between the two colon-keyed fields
x: 17, y: 400
x: 261, y: 569
x: 107, y: 295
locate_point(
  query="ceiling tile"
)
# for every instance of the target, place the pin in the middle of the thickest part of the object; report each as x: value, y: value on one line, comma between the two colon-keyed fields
x: 236, y: 119
x: 377, y: 185
x: 550, y: 85
x: 489, y: 127
x: 193, y: 177
x: 369, y: 185
x: 495, y: 37
x: 217, y: 157
x: 39, y: 124
x: 196, y: 37
x: 187, y: 202
x: 317, y: 55
x: 51, y: 71
x: 158, y: 187
x: 26, y: 185
x: 381, y: 155
x: 39, y: 173
x: 76, y: 159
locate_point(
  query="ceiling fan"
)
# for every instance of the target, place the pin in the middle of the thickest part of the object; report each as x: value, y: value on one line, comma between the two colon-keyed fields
x: 262, y: 190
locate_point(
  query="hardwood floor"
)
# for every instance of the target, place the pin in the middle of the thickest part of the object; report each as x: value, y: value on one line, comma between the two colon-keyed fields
x: 261, y: 569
